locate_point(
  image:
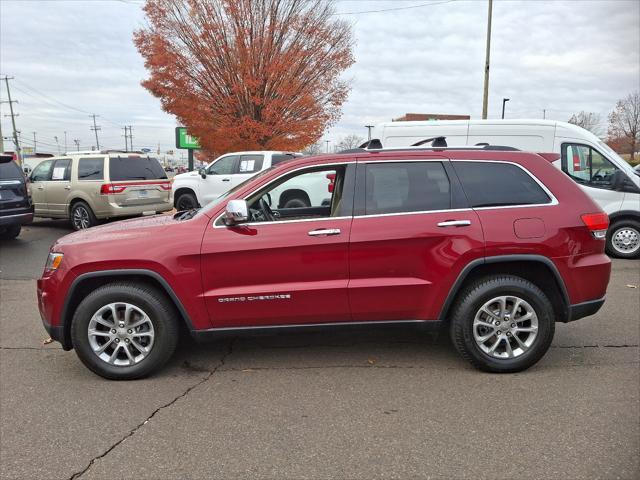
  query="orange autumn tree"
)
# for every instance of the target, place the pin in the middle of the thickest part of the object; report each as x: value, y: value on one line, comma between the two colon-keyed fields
x: 247, y: 74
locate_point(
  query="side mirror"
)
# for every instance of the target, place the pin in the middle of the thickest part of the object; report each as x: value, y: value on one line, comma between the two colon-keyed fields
x: 618, y: 180
x: 236, y: 212
x: 202, y: 172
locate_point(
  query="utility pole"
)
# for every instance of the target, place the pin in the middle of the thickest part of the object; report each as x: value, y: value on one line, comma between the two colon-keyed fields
x: 95, y: 129
x: 368, y: 127
x: 544, y: 113
x: 130, y: 138
x: 126, y: 144
x: 504, y: 100
x: 57, y: 143
x: 485, y: 98
x: 1, y: 138
x: 13, y: 121
x: 327, y: 142
x: 77, y: 142
x: 35, y: 143
x: 65, y: 142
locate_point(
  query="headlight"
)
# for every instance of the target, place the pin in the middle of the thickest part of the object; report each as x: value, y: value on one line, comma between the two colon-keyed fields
x: 53, y: 262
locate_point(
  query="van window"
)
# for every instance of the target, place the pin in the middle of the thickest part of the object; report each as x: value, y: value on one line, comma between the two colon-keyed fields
x: 61, y: 170
x: 587, y: 166
x: 397, y: 187
x: 91, y: 169
x: 42, y: 172
x: 135, y: 168
x: 491, y: 184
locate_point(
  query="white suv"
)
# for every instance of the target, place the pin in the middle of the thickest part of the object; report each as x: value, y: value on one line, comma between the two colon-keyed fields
x: 193, y: 189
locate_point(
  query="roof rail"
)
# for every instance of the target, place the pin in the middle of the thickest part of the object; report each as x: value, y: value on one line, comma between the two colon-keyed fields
x: 435, y: 142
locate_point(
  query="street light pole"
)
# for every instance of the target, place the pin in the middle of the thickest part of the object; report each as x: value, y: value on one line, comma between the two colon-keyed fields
x: 327, y: 142
x: 504, y: 100
x: 369, y: 127
x: 485, y: 98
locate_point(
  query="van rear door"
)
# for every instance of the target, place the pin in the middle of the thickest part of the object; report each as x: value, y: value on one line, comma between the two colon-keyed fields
x: 137, y: 181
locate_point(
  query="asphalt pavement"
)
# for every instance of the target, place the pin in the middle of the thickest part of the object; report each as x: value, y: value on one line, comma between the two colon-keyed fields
x: 381, y: 404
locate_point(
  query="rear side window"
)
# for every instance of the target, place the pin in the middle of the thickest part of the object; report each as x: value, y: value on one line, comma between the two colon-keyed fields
x: 250, y: 163
x: 398, y: 187
x: 10, y: 171
x: 61, y: 170
x: 91, y: 169
x: 277, y: 158
x: 135, y: 168
x: 489, y: 184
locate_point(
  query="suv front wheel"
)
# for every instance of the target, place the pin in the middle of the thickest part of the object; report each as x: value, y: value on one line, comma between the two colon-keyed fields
x: 123, y: 331
x: 502, y: 324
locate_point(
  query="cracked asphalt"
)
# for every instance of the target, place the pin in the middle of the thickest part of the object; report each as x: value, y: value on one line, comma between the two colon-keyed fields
x: 391, y: 403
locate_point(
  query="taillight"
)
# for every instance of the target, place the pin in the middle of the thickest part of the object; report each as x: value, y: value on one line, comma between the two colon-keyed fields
x: 165, y: 186
x: 110, y: 188
x: 332, y: 181
x: 597, y: 223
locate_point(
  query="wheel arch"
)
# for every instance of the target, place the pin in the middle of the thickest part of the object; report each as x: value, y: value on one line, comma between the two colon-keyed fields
x: 78, y: 197
x: 624, y: 215
x: 87, y: 282
x: 539, y: 270
x: 290, y: 193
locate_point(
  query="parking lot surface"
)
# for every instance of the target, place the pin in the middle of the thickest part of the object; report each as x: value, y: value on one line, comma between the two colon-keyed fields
x: 380, y: 404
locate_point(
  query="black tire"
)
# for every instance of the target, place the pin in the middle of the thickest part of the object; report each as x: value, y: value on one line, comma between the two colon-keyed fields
x: 473, y: 297
x: 295, y: 203
x: 10, y: 232
x: 160, y: 312
x: 185, y: 201
x: 620, y: 230
x: 82, y: 216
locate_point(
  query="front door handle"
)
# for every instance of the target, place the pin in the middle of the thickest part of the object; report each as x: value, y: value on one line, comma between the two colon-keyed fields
x: 324, y: 232
x: 68, y: 187
x: 226, y: 179
x: 40, y: 187
x: 455, y: 223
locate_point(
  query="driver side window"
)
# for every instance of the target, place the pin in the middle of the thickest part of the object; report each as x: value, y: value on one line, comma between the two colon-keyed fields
x: 223, y: 166
x: 315, y: 193
x: 587, y: 166
x: 42, y: 172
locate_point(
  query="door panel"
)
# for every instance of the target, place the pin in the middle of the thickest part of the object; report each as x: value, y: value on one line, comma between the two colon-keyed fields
x: 58, y: 188
x: 276, y: 273
x: 38, y: 178
x: 402, y: 266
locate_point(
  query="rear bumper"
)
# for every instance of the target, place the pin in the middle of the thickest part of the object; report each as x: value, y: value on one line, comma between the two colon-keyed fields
x: 114, y: 210
x: 584, y: 309
x: 16, y: 219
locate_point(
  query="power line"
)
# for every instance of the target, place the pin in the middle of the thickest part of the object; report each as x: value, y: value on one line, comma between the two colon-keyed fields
x: 395, y: 8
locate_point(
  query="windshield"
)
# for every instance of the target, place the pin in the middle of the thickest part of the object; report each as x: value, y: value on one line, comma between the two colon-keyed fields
x: 220, y: 199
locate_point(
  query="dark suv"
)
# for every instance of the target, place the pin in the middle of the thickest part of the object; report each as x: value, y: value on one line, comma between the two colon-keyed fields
x: 16, y: 208
x: 495, y: 245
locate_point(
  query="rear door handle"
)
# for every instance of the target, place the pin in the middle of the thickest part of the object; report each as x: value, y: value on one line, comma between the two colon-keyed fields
x: 455, y: 223
x: 324, y: 232
x: 68, y: 187
x: 226, y: 179
x: 40, y: 187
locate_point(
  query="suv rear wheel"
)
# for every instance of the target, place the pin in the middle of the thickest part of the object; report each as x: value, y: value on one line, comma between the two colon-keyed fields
x: 124, y: 331
x: 623, y: 239
x: 502, y: 324
x: 82, y: 216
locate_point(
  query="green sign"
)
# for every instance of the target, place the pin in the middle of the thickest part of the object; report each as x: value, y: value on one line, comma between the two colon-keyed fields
x: 184, y: 140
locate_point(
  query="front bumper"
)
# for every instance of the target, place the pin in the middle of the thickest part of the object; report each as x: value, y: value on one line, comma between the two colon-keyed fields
x: 50, y: 307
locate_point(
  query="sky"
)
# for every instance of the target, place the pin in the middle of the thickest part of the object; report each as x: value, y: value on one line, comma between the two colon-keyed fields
x: 70, y: 59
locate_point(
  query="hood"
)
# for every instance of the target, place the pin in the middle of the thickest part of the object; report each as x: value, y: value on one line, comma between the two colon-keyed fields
x: 120, y: 230
x: 187, y: 175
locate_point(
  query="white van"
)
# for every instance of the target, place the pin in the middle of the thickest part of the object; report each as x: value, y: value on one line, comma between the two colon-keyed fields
x: 601, y: 172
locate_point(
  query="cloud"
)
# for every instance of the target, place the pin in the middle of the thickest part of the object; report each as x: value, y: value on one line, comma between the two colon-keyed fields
x: 560, y: 56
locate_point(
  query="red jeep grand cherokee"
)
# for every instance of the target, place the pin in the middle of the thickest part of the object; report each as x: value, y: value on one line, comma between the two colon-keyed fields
x: 497, y: 244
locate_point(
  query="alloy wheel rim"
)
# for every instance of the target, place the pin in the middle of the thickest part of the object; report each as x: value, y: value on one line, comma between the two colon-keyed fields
x: 505, y: 327
x: 626, y: 240
x: 81, y: 218
x: 121, y: 334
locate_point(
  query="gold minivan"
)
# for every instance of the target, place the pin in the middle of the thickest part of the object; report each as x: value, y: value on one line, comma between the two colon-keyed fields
x: 87, y: 186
